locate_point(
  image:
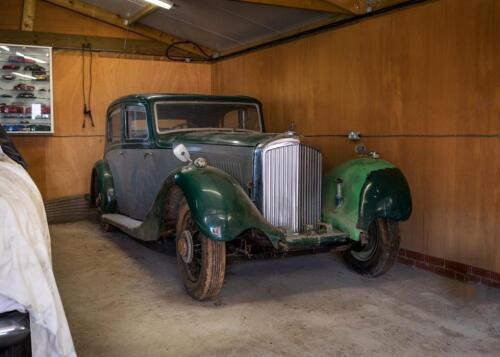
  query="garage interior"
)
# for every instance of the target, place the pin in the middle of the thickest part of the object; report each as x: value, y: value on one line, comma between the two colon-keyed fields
x: 419, y: 81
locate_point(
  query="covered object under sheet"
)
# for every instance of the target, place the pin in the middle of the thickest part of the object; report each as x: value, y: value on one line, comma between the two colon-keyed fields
x: 26, y: 279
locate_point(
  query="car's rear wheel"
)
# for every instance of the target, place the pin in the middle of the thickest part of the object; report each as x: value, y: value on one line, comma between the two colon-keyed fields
x: 379, y: 254
x: 95, y: 193
x: 201, y: 261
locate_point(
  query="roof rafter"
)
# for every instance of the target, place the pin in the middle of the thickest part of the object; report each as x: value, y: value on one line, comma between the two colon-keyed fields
x: 28, y: 20
x: 332, y: 6
x: 116, y: 20
x: 145, y: 11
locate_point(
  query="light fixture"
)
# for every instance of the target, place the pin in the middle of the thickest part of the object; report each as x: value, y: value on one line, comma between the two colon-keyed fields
x: 23, y: 75
x: 166, y: 4
x: 5, y: 48
x: 30, y: 58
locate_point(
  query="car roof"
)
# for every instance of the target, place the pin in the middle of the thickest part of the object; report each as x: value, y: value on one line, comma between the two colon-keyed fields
x: 153, y: 97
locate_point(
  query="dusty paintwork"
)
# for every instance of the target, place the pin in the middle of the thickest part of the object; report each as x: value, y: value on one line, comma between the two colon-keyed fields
x: 104, y: 181
x: 366, y: 195
x: 221, y: 205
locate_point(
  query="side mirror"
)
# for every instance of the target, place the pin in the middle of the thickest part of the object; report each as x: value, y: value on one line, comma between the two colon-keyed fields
x: 182, y: 153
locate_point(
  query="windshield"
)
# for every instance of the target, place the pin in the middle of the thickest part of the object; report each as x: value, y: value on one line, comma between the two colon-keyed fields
x: 188, y: 115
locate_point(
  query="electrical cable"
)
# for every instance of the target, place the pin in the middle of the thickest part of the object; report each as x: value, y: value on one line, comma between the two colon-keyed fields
x: 87, y: 111
x: 206, y: 58
x: 409, y: 135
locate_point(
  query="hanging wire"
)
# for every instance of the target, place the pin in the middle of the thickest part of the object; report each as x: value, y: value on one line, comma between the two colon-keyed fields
x: 87, y: 111
x: 206, y: 57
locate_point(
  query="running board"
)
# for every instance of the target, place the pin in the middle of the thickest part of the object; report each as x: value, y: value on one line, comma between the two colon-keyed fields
x: 124, y: 223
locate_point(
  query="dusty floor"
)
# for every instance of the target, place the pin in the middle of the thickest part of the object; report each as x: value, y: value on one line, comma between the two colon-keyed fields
x: 123, y: 298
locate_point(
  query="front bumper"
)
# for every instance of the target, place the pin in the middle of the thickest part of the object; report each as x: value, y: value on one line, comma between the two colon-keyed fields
x: 325, y: 238
x: 14, y: 328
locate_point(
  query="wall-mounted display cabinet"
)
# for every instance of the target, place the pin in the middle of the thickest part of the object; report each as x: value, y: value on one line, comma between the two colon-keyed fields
x: 26, y: 89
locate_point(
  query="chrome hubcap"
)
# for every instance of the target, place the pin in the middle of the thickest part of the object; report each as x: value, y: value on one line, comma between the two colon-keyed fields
x: 185, y: 247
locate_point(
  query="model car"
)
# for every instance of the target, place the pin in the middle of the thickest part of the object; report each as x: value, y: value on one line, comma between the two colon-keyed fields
x: 10, y: 66
x: 41, y: 77
x: 35, y: 68
x: 203, y: 171
x: 26, y: 95
x: 20, y: 59
x: 8, y: 77
x: 11, y: 109
x: 24, y: 87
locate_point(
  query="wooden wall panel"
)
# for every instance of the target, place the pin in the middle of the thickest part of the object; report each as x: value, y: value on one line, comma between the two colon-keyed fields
x: 412, y: 80
x: 429, y: 69
x: 113, y: 78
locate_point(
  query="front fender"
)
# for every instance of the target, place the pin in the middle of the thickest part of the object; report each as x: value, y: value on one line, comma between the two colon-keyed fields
x: 102, y: 173
x: 372, y: 188
x: 220, y: 207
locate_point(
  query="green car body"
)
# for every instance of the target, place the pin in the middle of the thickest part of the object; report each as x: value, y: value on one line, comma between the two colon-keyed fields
x: 223, y: 208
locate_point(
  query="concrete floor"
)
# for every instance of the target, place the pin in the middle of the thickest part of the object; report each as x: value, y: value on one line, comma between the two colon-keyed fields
x: 123, y: 298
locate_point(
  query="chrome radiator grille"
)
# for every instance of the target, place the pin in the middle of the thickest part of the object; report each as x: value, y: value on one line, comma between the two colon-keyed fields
x: 291, y: 185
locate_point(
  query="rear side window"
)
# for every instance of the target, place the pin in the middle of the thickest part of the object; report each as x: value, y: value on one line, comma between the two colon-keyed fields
x: 114, y: 126
x: 137, y: 125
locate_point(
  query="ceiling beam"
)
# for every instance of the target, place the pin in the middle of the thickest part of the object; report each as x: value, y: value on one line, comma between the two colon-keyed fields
x: 356, y: 7
x: 116, y: 20
x: 332, y: 6
x: 95, y: 43
x: 145, y: 11
x: 28, y: 21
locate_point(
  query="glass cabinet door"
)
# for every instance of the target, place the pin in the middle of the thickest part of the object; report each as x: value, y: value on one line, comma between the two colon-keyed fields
x: 26, y: 89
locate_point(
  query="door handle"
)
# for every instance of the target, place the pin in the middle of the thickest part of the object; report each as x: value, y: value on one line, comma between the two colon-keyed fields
x: 147, y: 153
x: 122, y: 153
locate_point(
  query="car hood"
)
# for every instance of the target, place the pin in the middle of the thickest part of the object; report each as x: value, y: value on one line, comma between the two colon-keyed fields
x: 215, y: 137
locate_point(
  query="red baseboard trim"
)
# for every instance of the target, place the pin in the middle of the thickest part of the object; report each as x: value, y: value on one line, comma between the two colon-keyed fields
x: 449, y: 268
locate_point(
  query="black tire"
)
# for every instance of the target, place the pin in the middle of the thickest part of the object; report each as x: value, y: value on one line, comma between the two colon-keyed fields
x: 380, y: 254
x: 94, y: 191
x: 22, y: 349
x: 203, y: 277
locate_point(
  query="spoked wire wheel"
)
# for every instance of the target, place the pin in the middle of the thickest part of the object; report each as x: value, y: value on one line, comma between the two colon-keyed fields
x: 201, y: 261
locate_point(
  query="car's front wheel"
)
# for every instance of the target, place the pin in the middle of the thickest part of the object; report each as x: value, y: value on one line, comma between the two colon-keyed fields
x: 381, y: 251
x: 201, y: 261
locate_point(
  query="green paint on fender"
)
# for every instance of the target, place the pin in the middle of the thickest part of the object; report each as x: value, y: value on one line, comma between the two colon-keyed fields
x: 106, y: 187
x: 220, y: 207
x: 372, y: 188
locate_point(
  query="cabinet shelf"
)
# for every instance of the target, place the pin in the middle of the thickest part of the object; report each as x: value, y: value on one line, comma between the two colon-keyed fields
x: 36, y: 114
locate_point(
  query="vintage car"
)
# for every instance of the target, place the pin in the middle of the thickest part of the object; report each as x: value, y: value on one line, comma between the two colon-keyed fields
x: 24, y: 87
x: 10, y: 67
x: 26, y: 95
x: 202, y: 170
x: 11, y: 109
x: 35, y: 68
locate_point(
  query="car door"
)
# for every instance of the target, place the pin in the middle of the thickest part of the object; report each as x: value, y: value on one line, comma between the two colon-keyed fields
x: 115, y: 155
x: 138, y: 151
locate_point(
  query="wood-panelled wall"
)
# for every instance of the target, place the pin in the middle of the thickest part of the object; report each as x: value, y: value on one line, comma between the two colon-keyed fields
x: 415, y: 83
x: 60, y: 164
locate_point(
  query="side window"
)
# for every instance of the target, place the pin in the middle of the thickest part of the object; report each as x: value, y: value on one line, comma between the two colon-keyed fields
x: 137, y: 125
x: 114, y: 126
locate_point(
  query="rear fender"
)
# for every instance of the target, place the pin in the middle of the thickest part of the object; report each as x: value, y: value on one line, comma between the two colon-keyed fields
x: 101, y: 176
